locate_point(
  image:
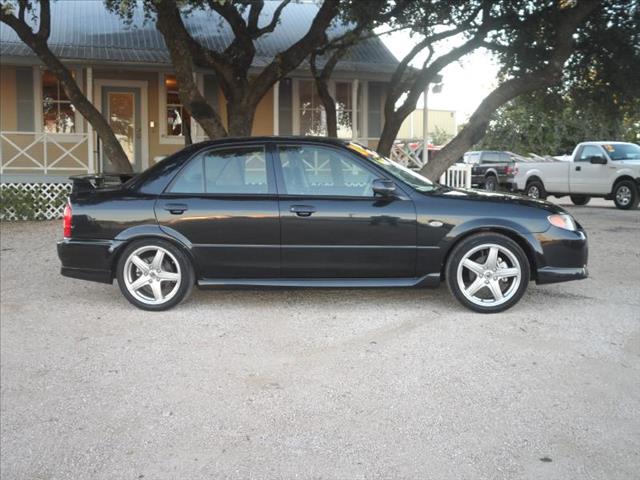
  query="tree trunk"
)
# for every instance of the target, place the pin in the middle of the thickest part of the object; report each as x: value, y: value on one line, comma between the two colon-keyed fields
x: 329, y: 106
x: 176, y: 39
x: 240, y: 119
x: 388, y: 135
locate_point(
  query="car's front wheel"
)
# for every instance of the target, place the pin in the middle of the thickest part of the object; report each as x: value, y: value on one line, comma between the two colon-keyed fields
x: 154, y: 274
x: 625, y: 195
x: 487, y: 272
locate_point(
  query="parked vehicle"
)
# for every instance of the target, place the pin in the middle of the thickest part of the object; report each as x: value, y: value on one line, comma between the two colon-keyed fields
x: 596, y: 169
x: 310, y: 212
x: 490, y: 169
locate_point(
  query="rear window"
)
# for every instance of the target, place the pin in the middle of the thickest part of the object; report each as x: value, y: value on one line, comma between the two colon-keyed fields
x: 238, y: 170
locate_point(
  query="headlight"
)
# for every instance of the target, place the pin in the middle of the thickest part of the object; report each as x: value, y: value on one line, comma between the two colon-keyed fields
x: 563, y: 220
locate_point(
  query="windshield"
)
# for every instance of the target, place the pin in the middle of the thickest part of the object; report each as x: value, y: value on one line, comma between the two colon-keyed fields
x: 403, y: 174
x: 622, y: 151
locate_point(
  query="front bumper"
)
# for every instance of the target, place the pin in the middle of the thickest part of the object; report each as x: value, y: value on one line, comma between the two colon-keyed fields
x: 87, y: 259
x: 563, y: 256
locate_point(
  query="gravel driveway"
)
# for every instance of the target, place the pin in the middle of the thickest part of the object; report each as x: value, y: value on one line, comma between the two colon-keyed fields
x: 321, y: 383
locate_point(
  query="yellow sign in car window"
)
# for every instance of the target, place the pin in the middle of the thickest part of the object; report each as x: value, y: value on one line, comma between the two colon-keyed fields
x: 609, y: 148
x: 360, y: 149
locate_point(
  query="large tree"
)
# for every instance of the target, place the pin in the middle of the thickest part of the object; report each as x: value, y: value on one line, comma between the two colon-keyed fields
x: 243, y: 88
x: 22, y: 16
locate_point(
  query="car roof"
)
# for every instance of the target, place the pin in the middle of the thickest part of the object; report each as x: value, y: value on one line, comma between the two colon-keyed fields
x: 272, y: 139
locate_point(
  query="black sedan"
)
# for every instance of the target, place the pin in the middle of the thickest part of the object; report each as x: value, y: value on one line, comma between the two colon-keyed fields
x: 309, y: 212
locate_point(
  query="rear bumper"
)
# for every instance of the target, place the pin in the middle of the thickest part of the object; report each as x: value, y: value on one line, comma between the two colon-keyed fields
x: 87, y: 259
x: 564, y: 256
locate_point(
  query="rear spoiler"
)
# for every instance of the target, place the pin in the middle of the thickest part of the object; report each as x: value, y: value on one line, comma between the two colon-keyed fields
x: 91, y: 183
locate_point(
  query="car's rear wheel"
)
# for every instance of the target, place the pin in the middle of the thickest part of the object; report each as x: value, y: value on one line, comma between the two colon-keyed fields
x: 154, y: 274
x: 491, y: 183
x: 580, y: 199
x: 535, y: 189
x: 625, y: 195
x: 487, y: 272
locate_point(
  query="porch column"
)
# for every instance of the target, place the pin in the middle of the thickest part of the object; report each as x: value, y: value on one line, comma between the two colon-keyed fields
x: 90, y: 154
x: 354, y: 109
x: 425, y: 128
x: 276, y: 108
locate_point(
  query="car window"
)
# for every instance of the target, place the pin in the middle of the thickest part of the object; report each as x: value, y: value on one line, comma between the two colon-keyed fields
x: 490, y: 157
x: 622, y: 151
x: 313, y: 170
x: 471, y: 157
x: 505, y: 158
x: 589, y: 151
x: 238, y: 170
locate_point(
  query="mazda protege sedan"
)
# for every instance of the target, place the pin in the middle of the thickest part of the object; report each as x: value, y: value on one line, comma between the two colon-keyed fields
x: 309, y: 212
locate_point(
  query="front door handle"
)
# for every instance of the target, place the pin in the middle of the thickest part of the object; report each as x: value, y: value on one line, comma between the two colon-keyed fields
x: 176, y: 208
x: 578, y: 168
x: 303, y: 210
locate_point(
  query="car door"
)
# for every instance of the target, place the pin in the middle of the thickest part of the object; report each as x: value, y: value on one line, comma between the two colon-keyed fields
x: 586, y: 177
x: 332, y: 225
x: 224, y: 202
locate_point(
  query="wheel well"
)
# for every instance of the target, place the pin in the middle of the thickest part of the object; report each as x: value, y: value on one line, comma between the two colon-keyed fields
x: 620, y: 179
x: 534, y: 178
x: 526, y: 248
x: 123, y: 246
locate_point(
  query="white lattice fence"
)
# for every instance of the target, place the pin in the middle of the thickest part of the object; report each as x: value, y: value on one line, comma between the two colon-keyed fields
x: 33, y: 201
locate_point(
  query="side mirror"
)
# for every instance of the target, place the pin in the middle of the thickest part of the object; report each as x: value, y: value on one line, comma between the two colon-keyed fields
x: 384, y: 188
x: 598, y: 160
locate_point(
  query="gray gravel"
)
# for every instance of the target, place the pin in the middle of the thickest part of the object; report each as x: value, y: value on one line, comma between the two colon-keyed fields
x: 321, y: 383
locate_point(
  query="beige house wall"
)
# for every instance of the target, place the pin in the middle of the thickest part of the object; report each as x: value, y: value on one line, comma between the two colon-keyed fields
x: 442, y: 119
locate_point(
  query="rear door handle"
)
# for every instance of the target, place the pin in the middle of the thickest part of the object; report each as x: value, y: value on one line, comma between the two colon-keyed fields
x: 578, y: 169
x: 303, y: 210
x: 176, y: 208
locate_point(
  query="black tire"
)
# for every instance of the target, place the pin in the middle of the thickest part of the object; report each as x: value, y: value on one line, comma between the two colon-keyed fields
x: 491, y: 183
x: 183, y: 270
x: 580, y: 199
x: 513, y: 288
x: 625, y: 195
x: 535, y: 189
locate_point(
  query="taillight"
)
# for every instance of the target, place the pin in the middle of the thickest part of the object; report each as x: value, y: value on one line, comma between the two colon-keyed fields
x: 66, y: 221
x: 511, y: 170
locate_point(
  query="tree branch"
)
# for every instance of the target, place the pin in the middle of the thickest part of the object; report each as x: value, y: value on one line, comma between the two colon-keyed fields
x: 544, y: 77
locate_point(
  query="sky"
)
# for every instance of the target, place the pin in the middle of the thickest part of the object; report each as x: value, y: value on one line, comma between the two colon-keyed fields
x: 465, y: 83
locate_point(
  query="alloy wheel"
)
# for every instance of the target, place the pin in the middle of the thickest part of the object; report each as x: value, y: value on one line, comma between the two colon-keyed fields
x: 489, y: 275
x: 623, y: 195
x: 533, y: 192
x: 152, y: 275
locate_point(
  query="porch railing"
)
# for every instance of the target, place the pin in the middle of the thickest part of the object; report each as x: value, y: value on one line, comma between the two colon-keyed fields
x: 409, y: 154
x: 44, y: 152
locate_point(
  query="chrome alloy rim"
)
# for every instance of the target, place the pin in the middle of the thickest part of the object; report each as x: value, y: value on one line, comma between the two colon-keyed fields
x: 152, y: 275
x: 623, y: 195
x: 489, y: 275
x: 534, y: 192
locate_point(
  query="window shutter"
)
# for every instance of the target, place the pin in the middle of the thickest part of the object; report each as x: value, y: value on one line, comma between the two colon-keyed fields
x: 376, y: 95
x: 24, y: 99
x: 211, y: 91
x: 285, y: 108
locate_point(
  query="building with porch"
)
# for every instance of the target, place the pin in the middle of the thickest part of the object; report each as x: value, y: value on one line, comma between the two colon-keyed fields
x: 125, y: 70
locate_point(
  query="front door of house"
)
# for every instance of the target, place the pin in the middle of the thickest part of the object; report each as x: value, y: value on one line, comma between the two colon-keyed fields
x: 121, y: 108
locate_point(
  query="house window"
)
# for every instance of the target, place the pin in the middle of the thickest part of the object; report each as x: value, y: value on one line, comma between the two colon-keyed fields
x: 344, y: 109
x: 58, y: 114
x: 312, y: 117
x: 177, y: 117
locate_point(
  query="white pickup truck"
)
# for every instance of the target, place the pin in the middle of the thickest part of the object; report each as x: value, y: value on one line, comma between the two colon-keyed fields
x: 596, y: 169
